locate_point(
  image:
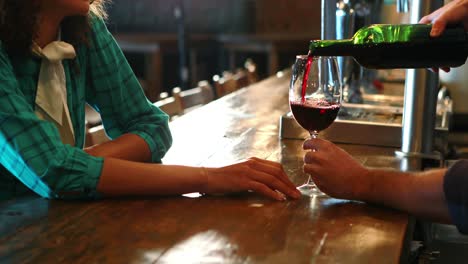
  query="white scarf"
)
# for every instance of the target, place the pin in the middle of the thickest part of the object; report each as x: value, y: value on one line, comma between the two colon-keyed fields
x: 51, y: 98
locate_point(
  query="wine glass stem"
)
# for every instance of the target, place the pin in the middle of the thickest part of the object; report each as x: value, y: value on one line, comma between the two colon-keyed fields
x: 313, y: 135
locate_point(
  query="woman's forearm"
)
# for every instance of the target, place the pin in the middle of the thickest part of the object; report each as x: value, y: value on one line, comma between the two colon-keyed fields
x: 126, y: 173
x: 420, y: 193
x: 123, y: 178
x: 126, y: 147
x: 126, y: 178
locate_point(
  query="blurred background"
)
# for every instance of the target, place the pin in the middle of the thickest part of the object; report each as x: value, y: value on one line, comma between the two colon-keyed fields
x: 179, y: 43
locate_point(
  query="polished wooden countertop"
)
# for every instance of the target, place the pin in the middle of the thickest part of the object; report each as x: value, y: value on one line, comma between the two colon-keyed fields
x: 238, y: 228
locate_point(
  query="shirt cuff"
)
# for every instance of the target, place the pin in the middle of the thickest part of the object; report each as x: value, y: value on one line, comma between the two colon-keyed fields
x: 88, y: 188
x: 456, y: 194
x: 95, y: 165
x: 155, y: 147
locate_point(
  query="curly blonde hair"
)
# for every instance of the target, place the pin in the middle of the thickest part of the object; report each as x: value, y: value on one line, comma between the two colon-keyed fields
x: 97, y: 7
x: 18, y: 24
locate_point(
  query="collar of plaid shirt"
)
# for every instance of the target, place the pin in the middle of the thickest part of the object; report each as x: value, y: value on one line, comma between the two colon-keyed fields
x: 51, y: 97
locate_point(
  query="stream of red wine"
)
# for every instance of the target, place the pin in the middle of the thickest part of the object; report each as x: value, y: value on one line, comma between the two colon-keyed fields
x: 310, y: 59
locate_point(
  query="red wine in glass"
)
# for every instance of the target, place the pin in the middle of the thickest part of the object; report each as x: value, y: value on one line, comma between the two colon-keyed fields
x: 314, y: 116
x: 314, y: 97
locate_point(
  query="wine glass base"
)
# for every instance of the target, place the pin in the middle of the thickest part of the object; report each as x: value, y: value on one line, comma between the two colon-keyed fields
x: 311, y: 190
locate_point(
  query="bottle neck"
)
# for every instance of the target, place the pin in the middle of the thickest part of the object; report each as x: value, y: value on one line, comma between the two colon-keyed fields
x: 342, y: 47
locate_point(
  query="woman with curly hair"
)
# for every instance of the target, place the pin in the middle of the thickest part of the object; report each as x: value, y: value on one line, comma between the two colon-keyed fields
x: 57, y: 55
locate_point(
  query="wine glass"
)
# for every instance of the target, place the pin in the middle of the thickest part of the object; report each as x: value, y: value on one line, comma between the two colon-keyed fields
x: 315, y: 98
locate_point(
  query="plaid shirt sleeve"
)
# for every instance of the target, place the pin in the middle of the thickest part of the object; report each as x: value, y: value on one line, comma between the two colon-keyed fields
x: 31, y: 149
x: 115, y: 92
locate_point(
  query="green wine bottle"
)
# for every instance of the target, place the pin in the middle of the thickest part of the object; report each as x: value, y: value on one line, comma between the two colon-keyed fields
x: 385, y: 46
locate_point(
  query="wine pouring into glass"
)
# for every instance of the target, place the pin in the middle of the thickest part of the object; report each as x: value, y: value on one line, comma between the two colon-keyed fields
x: 315, y: 94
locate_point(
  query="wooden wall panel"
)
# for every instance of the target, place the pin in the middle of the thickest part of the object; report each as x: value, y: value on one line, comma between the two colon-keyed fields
x: 219, y: 16
x: 288, y: 16
x: 202, y: 16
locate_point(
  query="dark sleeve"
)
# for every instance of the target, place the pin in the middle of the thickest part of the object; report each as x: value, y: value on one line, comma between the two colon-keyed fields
x: 456, y: 194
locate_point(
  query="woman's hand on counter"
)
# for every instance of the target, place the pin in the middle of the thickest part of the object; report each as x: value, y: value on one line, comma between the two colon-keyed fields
x: 128, y: 178
x: 262, y: 176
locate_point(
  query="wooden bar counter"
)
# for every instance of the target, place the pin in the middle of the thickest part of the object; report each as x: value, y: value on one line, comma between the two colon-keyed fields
x: 238, y: 228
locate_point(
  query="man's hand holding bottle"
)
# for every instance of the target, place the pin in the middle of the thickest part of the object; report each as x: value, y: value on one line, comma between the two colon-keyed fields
x: 453, y: 13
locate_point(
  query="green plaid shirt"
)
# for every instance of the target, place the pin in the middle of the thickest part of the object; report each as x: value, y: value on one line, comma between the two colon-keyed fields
x: 31, y: 152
